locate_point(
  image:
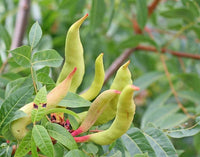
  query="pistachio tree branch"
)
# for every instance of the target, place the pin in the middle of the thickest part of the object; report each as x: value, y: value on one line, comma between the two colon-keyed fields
x: 117, y: 63
x: 125, y: 55
x: 172, y: 52
x: 152, y: 7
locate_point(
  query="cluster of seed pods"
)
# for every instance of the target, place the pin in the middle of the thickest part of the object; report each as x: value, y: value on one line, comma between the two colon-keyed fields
x: 116, y: 102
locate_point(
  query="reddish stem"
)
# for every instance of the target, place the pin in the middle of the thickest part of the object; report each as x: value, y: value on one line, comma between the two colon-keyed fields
x: 82, y: 139
x: 77, y: 132
x: 152, y: 7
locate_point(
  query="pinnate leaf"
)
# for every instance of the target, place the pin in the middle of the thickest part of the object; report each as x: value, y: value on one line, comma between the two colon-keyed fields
x: 74, y: 100
x: 24, y: 146
x: 43, y: 140
x: 12, y: 103
x: 185, y: 132
x: 22, y: 56
x: 49, y: 58
x: 35, y: 34
x: 61, y: 135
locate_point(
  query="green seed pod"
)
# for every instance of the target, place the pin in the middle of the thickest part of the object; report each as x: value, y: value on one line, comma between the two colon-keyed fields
x: 73, y: 56
x: 121, y: 80
x: 97, y: 83
x: 95, y: 110
x: 18, y: 127
x: 122, y: 122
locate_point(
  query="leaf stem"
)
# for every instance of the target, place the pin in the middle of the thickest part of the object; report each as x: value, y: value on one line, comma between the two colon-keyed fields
x: 34, y: 83
x: 173, y: 89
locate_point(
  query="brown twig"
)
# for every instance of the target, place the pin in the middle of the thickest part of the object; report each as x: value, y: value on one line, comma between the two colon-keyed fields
x: 152, y: 7
x: 136, y: 27
x: 173, y: 89
x: 125, y: 55
x: 175, y: 53
x: 117, y: 63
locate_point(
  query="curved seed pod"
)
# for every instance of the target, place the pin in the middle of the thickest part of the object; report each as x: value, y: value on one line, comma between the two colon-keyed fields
x: 97, y: 83
x: 121, y: 80
x: 73, y: 56
x: 18, y: 127
x: 122, y: 122
x: 95, y: 110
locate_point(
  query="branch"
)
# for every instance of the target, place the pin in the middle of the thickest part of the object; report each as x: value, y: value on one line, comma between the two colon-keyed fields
x: 180, y: 105
x: 175, y: 53
x: 21, y: 23
x: 152, y: 7
x: 125, y: 55
x: 117, y: 63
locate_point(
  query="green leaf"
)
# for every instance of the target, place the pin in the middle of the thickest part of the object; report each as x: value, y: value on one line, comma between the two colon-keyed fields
x: 136, y: 142
x: 49, y: 58
x: 41, y: 97
x: 35, y: 34
x: 12, y: 103
x: 142, y: 12
x: 91, y: 148
x: 22, y: 56
x: 193, y: 7
x: 119, y: 147
x: 162, y: 116
x: 5, y: 36
x: 190, y: 95
x: 12, y: 86
x: 45, y: 70
x: 141, y: 155
x: 97, y: 14
x: 59, y: 149
x: 37, y: 114
x: 179, y: 13
x: 159, y: 101
x: 33, y: 148
x: 135, y: 40
x: 24, y: 146
x: 160, y: 143
x: 186, y: 132
x: 63, y: 110
x: 5, y: 150
x: 191, y: 80
x: 73, y: 122
x: 43, y: 140
x: 61, y: 135
x: 74, y: 100
x: 39, y: 110
x: 46, y: 80
x: 147, y: 79
x: 197, y: 142
x: 75, y: 152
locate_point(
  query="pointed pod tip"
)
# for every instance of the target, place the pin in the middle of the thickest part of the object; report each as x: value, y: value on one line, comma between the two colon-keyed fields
x: 100, y: 57
x: 125, y: 65
x: 116, y: 91
x: 85, y: 16
x: 135, y: 88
